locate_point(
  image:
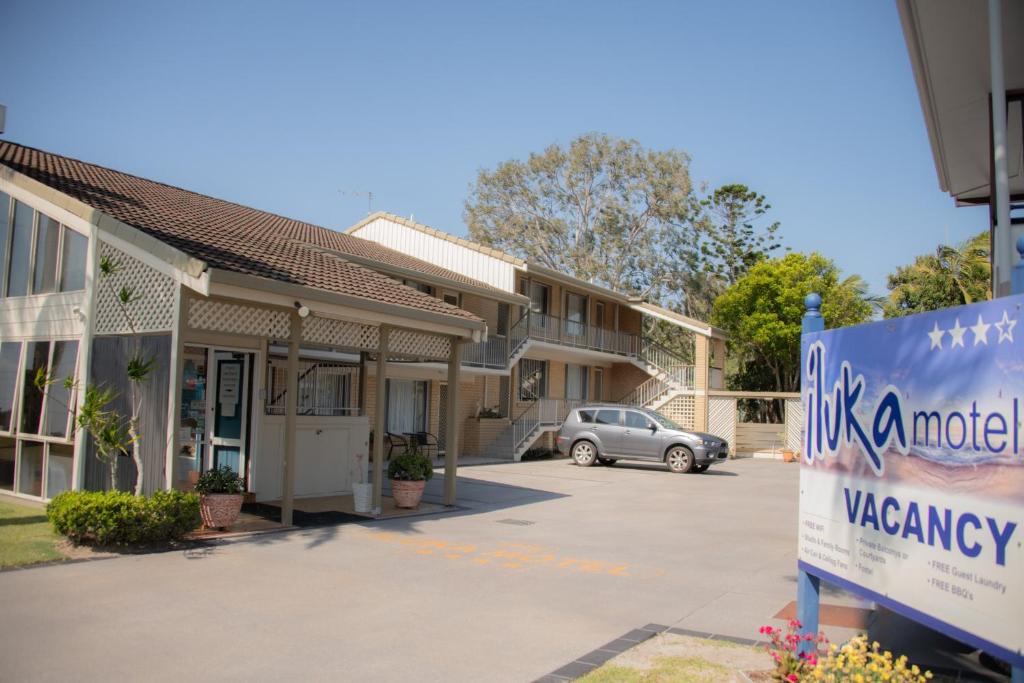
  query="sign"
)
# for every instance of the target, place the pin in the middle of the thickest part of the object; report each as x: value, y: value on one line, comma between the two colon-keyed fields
x: 229, y: 376
x: 912, y: 477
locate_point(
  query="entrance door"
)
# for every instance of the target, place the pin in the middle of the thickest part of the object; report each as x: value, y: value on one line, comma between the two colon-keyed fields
x: 228, y: 410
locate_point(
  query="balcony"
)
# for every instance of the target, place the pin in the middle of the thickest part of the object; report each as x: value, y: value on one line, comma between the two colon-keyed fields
x: 549, y: 329
x: 491, y: 354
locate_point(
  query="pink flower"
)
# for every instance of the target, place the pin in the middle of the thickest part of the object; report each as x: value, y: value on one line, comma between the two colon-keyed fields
x: 792, y: 678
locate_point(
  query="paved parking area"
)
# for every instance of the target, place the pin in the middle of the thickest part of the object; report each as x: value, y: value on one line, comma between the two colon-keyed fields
x: 545, y: 562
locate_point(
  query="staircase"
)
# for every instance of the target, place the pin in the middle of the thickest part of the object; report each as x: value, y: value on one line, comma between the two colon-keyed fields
x: 542, y: 415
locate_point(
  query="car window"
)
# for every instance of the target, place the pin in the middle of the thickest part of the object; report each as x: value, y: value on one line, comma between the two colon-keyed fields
x: 607, y: 417
x: 636, y: 420
x: 586, y: 415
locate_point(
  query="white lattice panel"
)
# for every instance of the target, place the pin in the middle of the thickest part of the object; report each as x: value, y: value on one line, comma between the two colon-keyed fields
x: 794, y: 423
x: 722, y: 419
x: 339, y: 333
x: 681, y: 410
x: 152, y: 308
x: 220, y: 316
x: 419, y: 345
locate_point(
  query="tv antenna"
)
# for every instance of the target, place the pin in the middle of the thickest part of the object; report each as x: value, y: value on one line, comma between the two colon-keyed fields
x: 368, y: 195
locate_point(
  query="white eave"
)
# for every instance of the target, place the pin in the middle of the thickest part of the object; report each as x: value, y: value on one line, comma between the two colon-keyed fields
x: 679, y: 320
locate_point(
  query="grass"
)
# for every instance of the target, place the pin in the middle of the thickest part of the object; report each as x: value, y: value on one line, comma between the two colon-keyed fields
x: 665, y: 670
x: 26, y: 536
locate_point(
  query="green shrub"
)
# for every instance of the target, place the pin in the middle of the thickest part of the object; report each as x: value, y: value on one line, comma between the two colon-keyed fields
x: 120, y: 518
x: 220, y: 480
x: 411, y: 466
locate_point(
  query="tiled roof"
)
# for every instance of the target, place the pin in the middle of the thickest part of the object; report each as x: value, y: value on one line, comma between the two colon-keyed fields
x: 229, y: 236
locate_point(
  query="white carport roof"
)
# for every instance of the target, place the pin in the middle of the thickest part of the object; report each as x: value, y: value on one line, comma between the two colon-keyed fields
x: 949, y: 52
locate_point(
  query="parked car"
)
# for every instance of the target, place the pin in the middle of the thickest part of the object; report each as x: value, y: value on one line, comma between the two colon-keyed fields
x: 607, y: 433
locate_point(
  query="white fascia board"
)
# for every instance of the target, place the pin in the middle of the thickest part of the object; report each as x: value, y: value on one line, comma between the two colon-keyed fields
x: 660, y: 313
x: 81, y: 217
x: 264, y: 291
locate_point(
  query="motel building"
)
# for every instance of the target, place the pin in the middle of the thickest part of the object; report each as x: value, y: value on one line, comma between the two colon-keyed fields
x: 272, y: 338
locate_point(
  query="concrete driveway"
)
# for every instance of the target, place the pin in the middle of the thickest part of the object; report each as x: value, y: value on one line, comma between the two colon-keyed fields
x: 546, y: 562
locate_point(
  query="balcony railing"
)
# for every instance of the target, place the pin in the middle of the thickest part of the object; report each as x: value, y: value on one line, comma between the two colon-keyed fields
x: 547, y: 328
x: 492, y: 353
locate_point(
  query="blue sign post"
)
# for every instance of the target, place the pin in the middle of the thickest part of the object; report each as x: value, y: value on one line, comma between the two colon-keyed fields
x: 912, y: 470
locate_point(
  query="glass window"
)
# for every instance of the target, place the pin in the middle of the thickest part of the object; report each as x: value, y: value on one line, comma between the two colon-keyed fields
x: 21, y: 250
x: 72, y: 269
x: 30, y: 469
x: 10, y: 356
x: 637, y: 420
x: 407, y: 406
x: 5, y: 225
x: 58, y: 398
x: 44, y: 279
x: 36, y: 355
x: 586, y: 415
x: 59, y: 463
x: 607, y: 417
x: 7, y: 450
x: 576, y: 381
x: 533, y: 383
x: 419, y: 286
x: 598, y: 384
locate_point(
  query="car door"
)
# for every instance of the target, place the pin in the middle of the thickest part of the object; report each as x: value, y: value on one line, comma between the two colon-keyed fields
x: 607, y: 428
x: 638, y: 439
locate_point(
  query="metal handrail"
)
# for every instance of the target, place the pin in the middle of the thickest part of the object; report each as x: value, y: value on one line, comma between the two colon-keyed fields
x: 549, y: 412
x: 669, y: 362
x: 646, y: 393
x: 565, y: 332
x: 492, y: 353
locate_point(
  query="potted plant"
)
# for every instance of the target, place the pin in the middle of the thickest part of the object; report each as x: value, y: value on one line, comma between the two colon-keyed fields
x: 409, y: 473
x: 220, y: 497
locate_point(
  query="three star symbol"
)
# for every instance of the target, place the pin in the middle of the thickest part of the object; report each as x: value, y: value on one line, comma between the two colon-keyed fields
x: 979, y: 330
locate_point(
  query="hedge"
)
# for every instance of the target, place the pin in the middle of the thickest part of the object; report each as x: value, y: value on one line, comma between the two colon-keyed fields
x: 119, y: 518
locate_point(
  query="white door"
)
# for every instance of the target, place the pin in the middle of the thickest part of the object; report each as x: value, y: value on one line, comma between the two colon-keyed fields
x: 228, y: 410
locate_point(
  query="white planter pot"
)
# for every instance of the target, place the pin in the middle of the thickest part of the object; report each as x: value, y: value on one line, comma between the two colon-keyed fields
x: 362, y: 496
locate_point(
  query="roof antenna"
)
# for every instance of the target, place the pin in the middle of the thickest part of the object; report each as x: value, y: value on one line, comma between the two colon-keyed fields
x: 368, y: 195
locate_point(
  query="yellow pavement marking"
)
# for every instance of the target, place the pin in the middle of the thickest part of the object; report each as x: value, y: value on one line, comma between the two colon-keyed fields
x: 513, y: 556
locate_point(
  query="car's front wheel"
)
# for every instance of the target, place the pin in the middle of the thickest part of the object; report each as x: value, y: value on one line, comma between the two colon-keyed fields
x: 679, y: 459
x: 584, y: 454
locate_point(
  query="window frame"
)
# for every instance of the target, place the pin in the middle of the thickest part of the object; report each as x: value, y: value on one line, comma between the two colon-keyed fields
x: 542, y: 387
x: 5, y: 248
x: 6, y: 251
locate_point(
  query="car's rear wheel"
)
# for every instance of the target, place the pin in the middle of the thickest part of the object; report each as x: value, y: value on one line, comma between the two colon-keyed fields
x: 679, y: 459
x: 607, y: 462
x: 584, y: 454
x: 700, y: 468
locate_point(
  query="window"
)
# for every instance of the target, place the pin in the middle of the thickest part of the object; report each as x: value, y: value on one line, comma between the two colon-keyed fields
x: 576, y: 381
x: 598, y: 384
x: 10, y: 357
x: 30, y: 468
x: 418, y: 286
x: 607, y: 417
x: 58, y: 398
x: 502, y: 326
x: 453, y: 299
x: 36, y: 357
x: 575, y: 314
x: 326, y: 388
x: 21, y: 250
x: 8, y: 447
x: 44, y: 277
x: 637, y: 420
x: 59, y: 468
x: 72, y: 270
x: 407, y: 406
x: 533, y: 380
x: 586, y: 415
x: 539, y: 296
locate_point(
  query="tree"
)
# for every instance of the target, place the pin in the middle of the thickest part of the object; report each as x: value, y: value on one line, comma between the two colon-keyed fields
x: 605, y: 210
x: 762, y: 313
x: 952, y: 276
x: 730, y: 244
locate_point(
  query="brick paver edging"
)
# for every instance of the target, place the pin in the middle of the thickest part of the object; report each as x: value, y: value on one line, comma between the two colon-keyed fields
x: 590, y: 661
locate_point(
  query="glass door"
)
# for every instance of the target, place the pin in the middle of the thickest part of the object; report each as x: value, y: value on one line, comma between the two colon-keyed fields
x: 228, y: 409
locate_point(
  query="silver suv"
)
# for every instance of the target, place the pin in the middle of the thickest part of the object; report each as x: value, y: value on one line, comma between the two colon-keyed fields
x: 605, y: 433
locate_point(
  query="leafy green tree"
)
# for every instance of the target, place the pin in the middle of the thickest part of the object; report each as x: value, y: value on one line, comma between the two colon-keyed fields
x: 762, y: 313
x: 952, y: 276
x: 605, y: 210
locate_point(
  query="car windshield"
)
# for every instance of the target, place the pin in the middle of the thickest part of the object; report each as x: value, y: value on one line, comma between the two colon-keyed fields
x: 664, y: 421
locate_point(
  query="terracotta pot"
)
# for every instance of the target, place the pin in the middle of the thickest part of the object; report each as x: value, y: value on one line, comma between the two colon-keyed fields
x: 220, y: 510
x: 407, y: 494
x: 788, y: 456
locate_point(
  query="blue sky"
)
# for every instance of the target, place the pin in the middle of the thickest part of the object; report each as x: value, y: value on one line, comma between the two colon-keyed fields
x: 282, y: 106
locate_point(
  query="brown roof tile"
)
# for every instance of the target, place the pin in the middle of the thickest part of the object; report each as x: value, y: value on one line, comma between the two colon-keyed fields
x: 230, y: 236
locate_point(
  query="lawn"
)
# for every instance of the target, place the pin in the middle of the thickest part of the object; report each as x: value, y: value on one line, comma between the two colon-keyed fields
x: 675, y: 658
x: 664, y: 670
x: 26, y: 536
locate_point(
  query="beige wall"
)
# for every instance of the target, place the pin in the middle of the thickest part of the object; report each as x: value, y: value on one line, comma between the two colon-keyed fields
x: 622, y: 379
x: 556, y: 303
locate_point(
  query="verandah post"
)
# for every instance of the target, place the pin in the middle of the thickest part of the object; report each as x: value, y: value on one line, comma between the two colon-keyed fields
x: 808, y: 586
